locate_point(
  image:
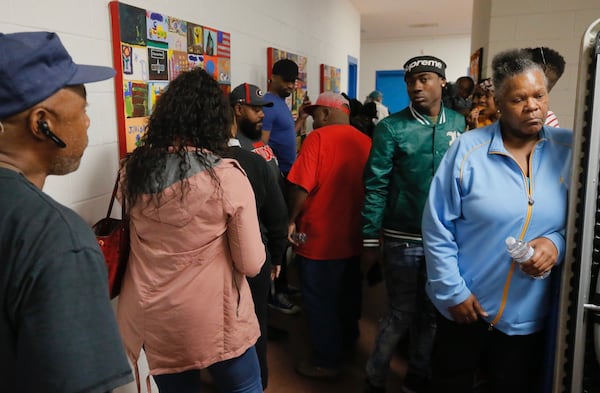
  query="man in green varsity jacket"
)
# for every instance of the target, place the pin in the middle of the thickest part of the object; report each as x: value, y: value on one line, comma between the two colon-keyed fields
x: 407, y: 149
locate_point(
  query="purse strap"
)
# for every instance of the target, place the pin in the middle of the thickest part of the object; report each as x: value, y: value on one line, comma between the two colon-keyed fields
x: 114, y: 195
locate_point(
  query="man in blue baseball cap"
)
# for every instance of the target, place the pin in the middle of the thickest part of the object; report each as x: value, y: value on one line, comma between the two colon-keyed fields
x: 57, y: 327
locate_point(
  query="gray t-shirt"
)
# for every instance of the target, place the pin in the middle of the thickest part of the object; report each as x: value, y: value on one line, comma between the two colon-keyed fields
x: 57, y: 328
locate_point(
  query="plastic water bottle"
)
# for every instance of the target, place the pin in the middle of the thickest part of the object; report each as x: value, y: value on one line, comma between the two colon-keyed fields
x: 521, y: 252
x: 299, y: 237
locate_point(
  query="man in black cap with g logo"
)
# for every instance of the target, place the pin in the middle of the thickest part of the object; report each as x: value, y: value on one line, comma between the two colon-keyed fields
x: 406, y: 151
x: 259, y: 162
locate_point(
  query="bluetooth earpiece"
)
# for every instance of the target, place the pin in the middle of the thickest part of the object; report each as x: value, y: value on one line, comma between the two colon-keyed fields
x: 45, y: 129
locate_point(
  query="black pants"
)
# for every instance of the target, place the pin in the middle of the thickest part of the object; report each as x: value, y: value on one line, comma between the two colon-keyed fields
x: 260, y: 286
x: 509, y: 363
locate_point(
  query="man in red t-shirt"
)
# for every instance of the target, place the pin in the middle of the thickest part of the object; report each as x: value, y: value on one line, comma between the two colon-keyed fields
x: 324, y: 201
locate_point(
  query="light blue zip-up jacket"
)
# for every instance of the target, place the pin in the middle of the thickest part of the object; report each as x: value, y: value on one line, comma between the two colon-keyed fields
x: 480, y: 196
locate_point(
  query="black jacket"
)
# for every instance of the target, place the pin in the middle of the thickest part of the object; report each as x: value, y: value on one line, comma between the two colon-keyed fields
x: 270, y: 205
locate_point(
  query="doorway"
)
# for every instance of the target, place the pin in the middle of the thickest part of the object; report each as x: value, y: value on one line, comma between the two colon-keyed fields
x: 391, y: 84
x: 352, y: 76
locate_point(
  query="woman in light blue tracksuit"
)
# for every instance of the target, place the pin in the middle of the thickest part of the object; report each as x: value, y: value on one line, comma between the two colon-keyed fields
x: 507, y: 179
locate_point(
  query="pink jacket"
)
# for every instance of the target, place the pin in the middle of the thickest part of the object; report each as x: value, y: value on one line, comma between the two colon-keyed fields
x: 185, y: 297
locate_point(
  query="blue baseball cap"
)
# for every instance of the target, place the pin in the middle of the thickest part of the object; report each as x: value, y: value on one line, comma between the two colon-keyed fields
x: 34, y: 66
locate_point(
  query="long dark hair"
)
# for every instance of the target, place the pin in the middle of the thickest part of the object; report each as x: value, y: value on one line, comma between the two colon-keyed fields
x: 191, y: 114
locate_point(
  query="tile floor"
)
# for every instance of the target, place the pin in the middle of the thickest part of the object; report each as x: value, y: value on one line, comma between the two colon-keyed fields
x: 290, y: 346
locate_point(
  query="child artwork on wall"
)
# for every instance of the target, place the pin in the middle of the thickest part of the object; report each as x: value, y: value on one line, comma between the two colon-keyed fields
x: 132, y: 24
x: 135, y: 62
x: 177, y: 35
x: 195, y: 39
x: 178, y: 63
x: 136, y: 99
x: 211, y: 65
x: 224, y: 70
x: 330, y: 78
x: 157, y: 26
x: 223, y: 45
x: 155, y: 89
x: 210, y: 42
x: 195, y: 61
x: 150, y: 49
x: 157, y: 59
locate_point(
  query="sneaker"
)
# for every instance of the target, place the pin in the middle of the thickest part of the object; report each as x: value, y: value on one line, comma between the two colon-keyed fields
x: 414, y: 383
x: 309, y: 370
x: 281, y: 303
x: 370, y: 388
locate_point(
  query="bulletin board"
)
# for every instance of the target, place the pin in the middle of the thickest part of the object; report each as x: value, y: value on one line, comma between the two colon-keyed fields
x: 330, y: 79
x: 300, y: 90
x: 149, y: 50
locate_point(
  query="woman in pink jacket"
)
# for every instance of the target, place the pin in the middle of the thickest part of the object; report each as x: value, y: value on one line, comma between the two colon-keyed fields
x: 194, y: 238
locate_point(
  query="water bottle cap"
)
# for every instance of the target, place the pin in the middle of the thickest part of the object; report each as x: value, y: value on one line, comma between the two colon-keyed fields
x: 510, y: 241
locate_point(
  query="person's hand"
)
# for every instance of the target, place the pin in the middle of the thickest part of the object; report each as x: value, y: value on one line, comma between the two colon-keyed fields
x: 369, y: 257
x: 305, y: 103
x: 292, y: 229
x: 275, y: 271
x: 473, y: 116
x: 543, y: 259
x: 467, y: 311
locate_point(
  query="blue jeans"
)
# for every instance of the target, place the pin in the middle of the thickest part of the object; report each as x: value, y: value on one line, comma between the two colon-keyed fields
x: 409, y: 312
x: 237, y: 375
x: 331, y: 290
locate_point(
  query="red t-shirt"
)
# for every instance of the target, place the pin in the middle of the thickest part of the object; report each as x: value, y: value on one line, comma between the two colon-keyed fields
x: 330, y: 168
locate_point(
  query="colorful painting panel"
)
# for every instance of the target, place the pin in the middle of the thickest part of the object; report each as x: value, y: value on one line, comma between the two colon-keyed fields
x: 195, y: 39
x: 135, y: 95
x: 135, y: 62
x: 134, y: 131
x: 132, y: 24
x: 149, y: 50
x: 155, y: 89
x: 224, y: 44
x: 330, y: 78
x: 195, y: 61
x: 157, y: 59
x: 157, y: 26
x: 211, y: 65
x: 177, y: 35
x: 210, y: 42
x: 178, y: 63
x: 224, y: 67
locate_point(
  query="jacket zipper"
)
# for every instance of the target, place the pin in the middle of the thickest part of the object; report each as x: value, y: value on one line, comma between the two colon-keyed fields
x: 530, y: 201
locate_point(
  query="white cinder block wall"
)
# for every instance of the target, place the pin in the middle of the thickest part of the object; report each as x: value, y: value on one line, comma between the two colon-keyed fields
x: 323, y: 31
x: 392, y: 54
x: 558, y: 24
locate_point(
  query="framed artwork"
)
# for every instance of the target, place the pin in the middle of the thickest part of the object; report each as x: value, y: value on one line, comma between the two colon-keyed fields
x: 149, y: 50
x: 475, y: 65
x: 330, y: 79
x: 300, y: 90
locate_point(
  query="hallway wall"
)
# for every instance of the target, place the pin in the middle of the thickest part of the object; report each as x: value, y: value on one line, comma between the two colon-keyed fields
x: 324, y: 31
x: 558, y: 24
x: 392, y: 54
